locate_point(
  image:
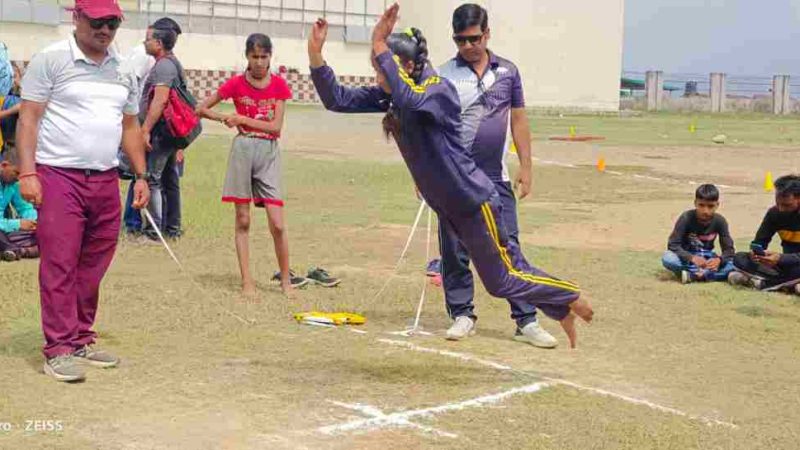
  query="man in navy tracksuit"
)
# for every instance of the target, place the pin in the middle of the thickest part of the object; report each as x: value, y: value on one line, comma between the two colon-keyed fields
x: 491, y: 97
x: 424, y: 117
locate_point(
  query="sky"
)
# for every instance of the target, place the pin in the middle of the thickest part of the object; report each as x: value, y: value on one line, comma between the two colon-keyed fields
x: 738, y: 37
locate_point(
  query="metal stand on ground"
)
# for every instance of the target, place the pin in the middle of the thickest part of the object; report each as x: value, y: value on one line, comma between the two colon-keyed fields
x: 415, y: 329
x: 187, y: 275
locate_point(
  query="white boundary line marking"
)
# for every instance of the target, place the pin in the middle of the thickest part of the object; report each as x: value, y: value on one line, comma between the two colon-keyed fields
x: 461, y: 356
x: 379, y: 419
x: 603, y: 392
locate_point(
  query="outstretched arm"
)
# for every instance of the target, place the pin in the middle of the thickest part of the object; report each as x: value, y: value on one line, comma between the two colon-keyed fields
x: 334, y: 96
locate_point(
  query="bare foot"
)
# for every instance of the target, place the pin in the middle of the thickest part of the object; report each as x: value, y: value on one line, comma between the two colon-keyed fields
x: 568, y: 324
x: 249, y: 290
x: 287, y: 289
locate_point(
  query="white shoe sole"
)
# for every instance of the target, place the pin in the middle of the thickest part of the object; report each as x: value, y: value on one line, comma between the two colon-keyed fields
x: 535, y: 343
x: 98, y: 364
x: 328, y: 285
x: 65, y: 378
x: 450, y: 337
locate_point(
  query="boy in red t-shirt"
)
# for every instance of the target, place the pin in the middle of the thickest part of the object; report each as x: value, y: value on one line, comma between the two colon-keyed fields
x: 254, y: 165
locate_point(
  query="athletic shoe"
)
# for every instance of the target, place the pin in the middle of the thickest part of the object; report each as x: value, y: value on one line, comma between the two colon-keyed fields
x: 686, y: 277
x: 535, y: 335
x: 96, y: 358
x: 462, y: 327
x: 9, y: 255
x: 434, y: 268
x: 294, y: 280
x: 738, y: 279
x: 321, y: 277
x: 64, y: 368
x: 796, y: 289
x: 758, y: 283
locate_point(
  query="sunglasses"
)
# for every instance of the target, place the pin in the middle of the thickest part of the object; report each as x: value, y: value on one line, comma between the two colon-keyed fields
x: 474, y: 39
x: 111, y: 22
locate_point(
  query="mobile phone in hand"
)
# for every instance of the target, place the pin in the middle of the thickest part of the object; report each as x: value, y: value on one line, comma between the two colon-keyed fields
x: 758, y: 249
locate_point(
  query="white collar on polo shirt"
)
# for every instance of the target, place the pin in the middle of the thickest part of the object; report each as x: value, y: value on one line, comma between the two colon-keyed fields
x: 78, y: 55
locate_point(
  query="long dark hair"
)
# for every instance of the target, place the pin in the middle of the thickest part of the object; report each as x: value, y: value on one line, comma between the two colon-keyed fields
x: 410, y: 45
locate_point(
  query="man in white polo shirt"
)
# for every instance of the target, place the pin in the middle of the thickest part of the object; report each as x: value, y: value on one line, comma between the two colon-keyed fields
x: 78, y: 104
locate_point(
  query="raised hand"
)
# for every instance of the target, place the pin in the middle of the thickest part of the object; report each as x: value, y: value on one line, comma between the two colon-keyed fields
x: 386, y: 24
x: 316, y: 39
x: 318, y: 35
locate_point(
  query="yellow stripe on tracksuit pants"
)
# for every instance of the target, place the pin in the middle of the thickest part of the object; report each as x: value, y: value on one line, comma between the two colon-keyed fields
x: 491, y: 224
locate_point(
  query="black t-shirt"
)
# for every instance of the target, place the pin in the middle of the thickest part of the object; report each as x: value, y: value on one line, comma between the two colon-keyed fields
x: 689, y: 235
x: 787, y: 226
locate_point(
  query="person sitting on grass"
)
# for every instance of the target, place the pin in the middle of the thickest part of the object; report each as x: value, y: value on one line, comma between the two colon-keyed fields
x: 764, y: 269
x: 690, y: 250
x: 18, y: 231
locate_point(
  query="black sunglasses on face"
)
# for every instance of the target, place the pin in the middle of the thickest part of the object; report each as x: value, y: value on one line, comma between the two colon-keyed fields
x: 112, y: 23
x: 461, y: 40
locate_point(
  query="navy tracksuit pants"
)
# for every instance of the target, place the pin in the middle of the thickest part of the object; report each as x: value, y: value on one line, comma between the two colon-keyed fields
x: 489, y: 239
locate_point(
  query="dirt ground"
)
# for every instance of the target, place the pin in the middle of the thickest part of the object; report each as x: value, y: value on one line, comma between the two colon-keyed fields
x: 665, y: 366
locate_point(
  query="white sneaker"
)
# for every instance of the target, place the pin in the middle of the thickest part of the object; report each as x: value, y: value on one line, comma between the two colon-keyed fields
x: 535, y: 335
x: 686, y: 277
x: 462, y: 327
x: 797, y: 289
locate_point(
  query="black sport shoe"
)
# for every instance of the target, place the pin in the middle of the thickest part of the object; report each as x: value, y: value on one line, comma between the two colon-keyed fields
x: 297, y: 282
x: 9, y: 255
x: 321, y: 277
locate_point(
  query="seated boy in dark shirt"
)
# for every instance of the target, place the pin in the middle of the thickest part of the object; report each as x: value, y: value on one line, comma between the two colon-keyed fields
x: 690, y: 250
x: 768, y: 270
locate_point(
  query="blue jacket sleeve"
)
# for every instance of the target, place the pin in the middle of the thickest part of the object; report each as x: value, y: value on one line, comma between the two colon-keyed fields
x: 25, y: 210
x: 407, y: 94
x: 9, y: 225
x: 339, y: 98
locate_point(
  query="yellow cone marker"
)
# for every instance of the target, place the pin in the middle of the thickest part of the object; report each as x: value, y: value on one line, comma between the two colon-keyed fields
x: 769, y: 186
x: 601, y: 164
x: 692, y: 128
x: 572, y: 131
x: 513, y: 148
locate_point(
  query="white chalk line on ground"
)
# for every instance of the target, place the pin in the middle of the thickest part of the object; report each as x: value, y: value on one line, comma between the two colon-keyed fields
x: 603, y: 392
x: 378, y: 419
x: 456, y: 355
x: 550, y: 162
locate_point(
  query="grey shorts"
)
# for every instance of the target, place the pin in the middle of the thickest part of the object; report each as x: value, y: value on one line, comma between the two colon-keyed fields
x: 254, y: 172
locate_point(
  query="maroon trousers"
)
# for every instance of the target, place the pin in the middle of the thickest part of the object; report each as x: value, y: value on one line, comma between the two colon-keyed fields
x: 78, y: 228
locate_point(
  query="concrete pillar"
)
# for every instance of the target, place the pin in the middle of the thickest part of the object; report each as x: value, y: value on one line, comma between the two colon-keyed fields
x: 654, y: 89
x: 718, y: 92
x: 780, y: 95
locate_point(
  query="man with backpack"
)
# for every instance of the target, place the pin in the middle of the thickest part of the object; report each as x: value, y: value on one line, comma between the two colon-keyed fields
x: 163, y: 150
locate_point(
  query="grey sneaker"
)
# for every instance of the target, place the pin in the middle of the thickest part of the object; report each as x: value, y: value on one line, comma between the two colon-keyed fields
x: 738, y: 279
x: 535, y: 335
x: 96, y: 358
x: 64, y: 368
x: 9, y: 255
x: 321, y: 277
x: 462, y: 327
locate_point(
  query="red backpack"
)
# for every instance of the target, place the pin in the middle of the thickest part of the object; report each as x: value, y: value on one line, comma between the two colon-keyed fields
x: 182, y: 123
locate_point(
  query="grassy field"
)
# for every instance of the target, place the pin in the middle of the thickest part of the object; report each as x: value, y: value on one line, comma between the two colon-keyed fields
x: 665, y: 366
